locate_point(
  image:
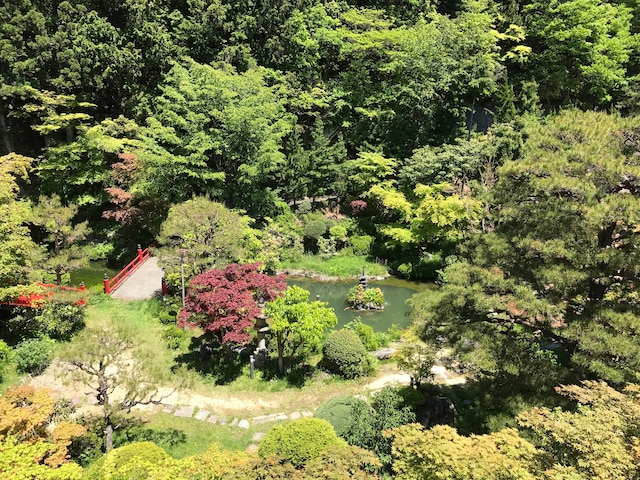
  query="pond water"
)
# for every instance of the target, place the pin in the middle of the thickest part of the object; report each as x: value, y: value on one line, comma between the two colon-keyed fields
x: 396, y: 293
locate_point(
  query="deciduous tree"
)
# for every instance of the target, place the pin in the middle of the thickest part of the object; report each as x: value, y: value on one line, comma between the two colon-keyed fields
x: 298, y: 325
x: 17, y: 249
x: 224, y: 303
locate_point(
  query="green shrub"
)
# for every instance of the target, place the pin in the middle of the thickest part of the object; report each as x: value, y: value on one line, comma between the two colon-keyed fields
x: 136, y: 460
x: 394, y: 332
x: 100, y: 251
x: 60, y: 320
x: 361, y: 244
x: 338, y: 232
x: 345, y: 355
x: 299, y: 441
x: 167, y: 318
x: 337, y: 412
x: 369, y: 338
x: 315, y: 229
x: 173, y: 335
x: 5, y: 356
x: 34, y: 355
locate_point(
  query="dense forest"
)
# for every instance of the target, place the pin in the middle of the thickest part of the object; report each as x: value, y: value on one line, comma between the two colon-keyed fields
x: 492, y: 146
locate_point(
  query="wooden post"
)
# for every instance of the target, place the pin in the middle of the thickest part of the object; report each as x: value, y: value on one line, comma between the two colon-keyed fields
x: 83, y: 287
x: 139, y: 252
x: 107, y: 288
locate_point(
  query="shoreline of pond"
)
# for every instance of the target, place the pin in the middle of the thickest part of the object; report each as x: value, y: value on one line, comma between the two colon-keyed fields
x: 322, y: 277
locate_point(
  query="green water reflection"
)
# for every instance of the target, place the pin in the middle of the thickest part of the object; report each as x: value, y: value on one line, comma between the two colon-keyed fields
x: 396, y: 293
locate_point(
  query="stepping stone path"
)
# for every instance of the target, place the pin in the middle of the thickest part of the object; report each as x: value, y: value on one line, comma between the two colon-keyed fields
x: 189, y: 411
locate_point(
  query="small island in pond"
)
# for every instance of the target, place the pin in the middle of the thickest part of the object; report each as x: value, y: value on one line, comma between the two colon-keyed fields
x: 361, y: 297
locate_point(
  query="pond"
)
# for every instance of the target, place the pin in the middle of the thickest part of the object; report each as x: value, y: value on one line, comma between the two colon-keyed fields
x: 396, y: 293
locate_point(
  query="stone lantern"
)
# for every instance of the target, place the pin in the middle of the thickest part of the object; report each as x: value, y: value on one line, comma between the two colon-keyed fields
x: 261, y: 354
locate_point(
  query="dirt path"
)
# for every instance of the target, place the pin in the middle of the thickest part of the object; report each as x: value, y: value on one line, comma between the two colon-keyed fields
x: 225, y: 403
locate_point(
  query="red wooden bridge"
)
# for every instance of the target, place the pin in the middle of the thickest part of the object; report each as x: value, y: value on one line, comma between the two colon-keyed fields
x: 140, y: 279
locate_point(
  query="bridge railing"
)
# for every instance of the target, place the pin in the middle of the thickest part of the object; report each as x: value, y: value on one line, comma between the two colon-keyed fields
x: 49, y: 290
x: 111, y: 284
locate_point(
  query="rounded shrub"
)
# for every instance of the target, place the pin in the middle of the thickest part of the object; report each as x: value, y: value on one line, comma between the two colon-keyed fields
x: 368, y: 336
x: 315, y: 229
x: 136, y: 460
x: 361, y: 244
x: 338, y: 412
x: 345, y: 355
x: 33, y: 355
x: 299, y: 441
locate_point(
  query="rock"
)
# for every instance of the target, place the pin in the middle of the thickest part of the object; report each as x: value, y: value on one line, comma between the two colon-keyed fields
x: 243, y: 424
x: 384, y: 353
x: 186, y: 411
x: 202, y: 414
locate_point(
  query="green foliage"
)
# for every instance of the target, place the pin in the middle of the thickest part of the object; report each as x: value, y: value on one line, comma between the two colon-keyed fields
x: 33, y: 355
x: 345, y: 355
x: 441, y: 453
x: 168, y: 317
x: 583, y: 47
x: 211, y: 234
x: 361, y: 298
x: 298, y: 325
x: 299, y: 441
x: 425, y: 268
x: 416, y: 359
x: 214, y: 131
x: 360, y: 244
x: 337, y: 412
x: 315, y: 229
x: 6, y: 355
x: 369, y: 421
x: 597, y: 439
x: 365, y: 332
x: 65, y: 253
x: 60, y: 320
x: 20, y: 460
x: 100, y: 251
x: 174, y: 336
x: 18, y: 253
x: 136, y: 460
x: 560, y: 256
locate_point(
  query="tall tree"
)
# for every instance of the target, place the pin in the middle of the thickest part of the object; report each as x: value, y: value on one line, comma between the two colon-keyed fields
x: 561, y: 266
x: 580, y: 50
x: 18, y: 252
x: 215, y: 132
x: 65, y: 253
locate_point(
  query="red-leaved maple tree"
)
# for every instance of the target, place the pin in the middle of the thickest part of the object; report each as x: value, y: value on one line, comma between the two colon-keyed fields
x: 225, y: 302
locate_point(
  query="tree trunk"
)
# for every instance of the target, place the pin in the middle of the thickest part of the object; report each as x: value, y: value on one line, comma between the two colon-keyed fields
x: 4, y: 132
x: 108, y: 435
x: 280, y: 356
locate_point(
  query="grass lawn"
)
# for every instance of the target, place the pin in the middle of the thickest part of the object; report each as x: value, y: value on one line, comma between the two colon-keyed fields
x: 188, y: 436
